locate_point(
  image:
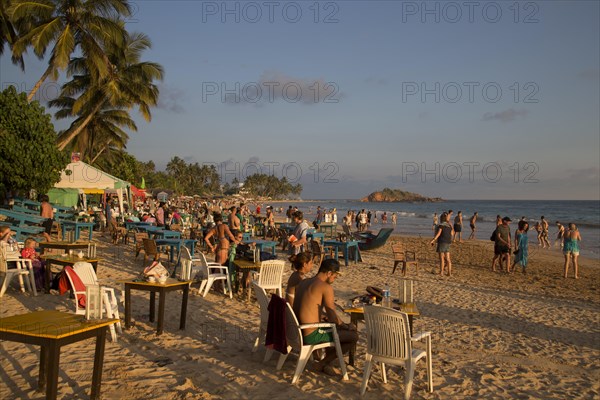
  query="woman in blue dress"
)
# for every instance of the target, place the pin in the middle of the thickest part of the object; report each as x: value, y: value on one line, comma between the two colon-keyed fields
x: 521, y: 246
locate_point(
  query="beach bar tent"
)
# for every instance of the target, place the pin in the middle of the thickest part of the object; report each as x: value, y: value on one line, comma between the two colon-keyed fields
x: 91, y: 180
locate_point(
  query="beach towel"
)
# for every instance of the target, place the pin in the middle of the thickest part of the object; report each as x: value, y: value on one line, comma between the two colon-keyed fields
x: 79, y: 286
x: 276, y: 334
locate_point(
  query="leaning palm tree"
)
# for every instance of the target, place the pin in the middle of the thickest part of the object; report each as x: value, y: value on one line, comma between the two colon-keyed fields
x: 103, y: 134
x: 129, y: 84
x: 67, y: 26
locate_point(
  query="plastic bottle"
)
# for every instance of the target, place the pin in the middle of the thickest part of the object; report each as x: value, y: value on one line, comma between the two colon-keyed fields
x: 387, y: 300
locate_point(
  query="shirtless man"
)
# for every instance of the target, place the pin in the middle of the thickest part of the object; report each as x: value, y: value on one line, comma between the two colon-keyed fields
x: 46, y: 211
x: 234, y: 221
x: 472, y: 224
x: 314, y: 298
x: 544, y: 236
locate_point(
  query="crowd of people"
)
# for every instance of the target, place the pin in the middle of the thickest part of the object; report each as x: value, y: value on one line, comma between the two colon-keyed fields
x: 506, y: 246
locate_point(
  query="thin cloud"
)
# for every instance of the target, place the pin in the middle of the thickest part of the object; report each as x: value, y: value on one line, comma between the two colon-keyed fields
x: 590, y: 74
x: 274, y: 86
x: 505, y: 116
x: 169, y: 99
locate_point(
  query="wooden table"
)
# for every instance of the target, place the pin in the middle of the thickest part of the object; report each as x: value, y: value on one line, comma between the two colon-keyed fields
x: 63, y: 261
x: 345, y: 246
x: 162, y: 289
x: 244, y: 267
x: 51, y: 330
x: 358, y: 314
x: 331, y: 228
x: 264, y: 244
x: 176, y: 243
x: 66, y: 246
x: 320, y: 236
x: 77, y: 226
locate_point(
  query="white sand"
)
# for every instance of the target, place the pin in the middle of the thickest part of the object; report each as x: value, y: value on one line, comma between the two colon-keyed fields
x: 494, y: 336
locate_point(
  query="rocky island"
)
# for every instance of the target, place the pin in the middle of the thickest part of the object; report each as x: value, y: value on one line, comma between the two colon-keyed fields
x: 388, y: 195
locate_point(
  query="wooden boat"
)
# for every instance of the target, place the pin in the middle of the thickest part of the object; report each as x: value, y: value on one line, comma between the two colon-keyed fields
x: 370, y: 241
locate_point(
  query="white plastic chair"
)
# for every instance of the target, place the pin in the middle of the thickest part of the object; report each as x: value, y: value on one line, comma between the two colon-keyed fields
x: 211, y: 272
x: 295, y: 342
x: 87, y: 275
x: 270, y: 276
x: 24, y: 269
x: 188, y: 269
x: 263, y: 302
x: 389, y: 341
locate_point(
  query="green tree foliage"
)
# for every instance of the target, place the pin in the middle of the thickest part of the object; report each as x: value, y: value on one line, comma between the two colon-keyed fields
x: 29, y: 158
x: 271, y: 186
x: 191, y: 178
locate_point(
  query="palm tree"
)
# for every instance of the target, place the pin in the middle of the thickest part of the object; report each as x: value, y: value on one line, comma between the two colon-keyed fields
x: 129, y: 84
x: 9, y: 30
x: 104, y: 133
x: 87, y: 25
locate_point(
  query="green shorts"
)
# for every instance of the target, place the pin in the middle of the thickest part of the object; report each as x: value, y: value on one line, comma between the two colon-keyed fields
x: 318, y: 336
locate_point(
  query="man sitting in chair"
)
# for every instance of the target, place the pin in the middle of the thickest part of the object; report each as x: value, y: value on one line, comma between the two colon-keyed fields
x: 314, y: 299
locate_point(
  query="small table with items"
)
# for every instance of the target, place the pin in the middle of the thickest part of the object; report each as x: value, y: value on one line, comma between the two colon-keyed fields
x: 358, y: 314
x: 52, y: 330
x: 162, y: 289
x: 244, y: 267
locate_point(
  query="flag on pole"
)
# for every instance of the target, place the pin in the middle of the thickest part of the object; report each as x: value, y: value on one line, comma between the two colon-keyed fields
x: 143, y: 185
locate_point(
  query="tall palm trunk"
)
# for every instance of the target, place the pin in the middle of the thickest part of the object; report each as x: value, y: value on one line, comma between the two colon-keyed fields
x: 39, y: 83
x: 62, y: 143
x: 101, y: 151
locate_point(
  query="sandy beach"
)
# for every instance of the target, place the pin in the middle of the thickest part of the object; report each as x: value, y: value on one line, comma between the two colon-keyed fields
x: 495, y: 336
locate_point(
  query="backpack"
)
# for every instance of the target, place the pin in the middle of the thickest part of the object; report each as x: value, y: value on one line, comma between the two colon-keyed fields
x: 493, y: 237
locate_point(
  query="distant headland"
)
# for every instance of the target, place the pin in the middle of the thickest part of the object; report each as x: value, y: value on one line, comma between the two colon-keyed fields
x: 388, y: 195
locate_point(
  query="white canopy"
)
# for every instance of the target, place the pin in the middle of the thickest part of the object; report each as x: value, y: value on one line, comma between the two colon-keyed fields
x: 79, y: 175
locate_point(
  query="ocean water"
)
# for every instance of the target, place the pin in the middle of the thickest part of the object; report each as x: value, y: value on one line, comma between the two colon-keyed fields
x: 416, y: 218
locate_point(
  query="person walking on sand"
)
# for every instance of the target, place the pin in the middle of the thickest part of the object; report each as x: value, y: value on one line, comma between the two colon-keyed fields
x: 443, y: 237
x: 472, y: 222
x: 560, y: 231
x: 545, y: 226
x: 521, y: 246
x: 502, y: 245
x: 458, y: 222
x: 435, y: 222
x: 571, y: 240
x: 538, y: 229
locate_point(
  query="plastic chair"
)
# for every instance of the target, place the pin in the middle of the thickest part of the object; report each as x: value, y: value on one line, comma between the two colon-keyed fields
x: 389, y: 341
x: 24, y: 269
x: 263, y: 302
x: 85, y: 272
x: 404, y: 257
x: 187, y: 264
x: 295, y: 342
x: 211, y: 272
x: 270, y: 276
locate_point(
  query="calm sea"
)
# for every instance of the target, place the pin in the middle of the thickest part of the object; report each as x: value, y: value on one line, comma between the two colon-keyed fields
x: 416, y: 218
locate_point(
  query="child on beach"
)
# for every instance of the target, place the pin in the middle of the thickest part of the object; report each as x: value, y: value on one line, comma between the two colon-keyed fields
x: 29, y: 252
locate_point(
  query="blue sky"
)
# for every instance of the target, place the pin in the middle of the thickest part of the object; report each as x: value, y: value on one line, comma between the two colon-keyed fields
x: 500, y: 101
